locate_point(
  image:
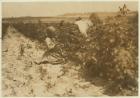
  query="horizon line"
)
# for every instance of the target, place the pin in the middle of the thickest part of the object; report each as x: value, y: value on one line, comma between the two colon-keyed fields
x: 62, y: 15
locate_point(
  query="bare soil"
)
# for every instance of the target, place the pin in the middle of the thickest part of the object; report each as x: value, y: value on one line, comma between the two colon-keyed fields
x: 21, y: 76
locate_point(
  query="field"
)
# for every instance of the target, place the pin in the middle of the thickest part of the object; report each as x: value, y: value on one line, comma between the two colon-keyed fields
x: 104, y: 64
x: 70, y: 17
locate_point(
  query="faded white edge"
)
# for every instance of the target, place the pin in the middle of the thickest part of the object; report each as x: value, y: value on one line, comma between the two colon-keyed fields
x: 1, y: 1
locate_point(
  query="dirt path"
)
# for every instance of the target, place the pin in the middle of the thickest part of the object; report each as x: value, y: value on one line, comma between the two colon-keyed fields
x: 23, y: 77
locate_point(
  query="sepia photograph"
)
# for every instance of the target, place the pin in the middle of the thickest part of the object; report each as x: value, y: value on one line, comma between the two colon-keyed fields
x: 69, y: 49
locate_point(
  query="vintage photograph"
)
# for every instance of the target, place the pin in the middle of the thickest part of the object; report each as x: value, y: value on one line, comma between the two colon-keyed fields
x: 83, y: 49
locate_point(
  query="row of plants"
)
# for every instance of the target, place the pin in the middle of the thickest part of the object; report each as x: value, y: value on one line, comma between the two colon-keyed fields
x: 111, y: 51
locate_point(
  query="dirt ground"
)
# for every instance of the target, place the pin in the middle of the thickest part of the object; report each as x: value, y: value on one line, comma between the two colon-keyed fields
x: 21, y: 76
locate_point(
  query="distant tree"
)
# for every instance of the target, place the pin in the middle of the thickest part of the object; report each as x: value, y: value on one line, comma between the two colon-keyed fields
x: 61, y: 22
x: 94, y: 18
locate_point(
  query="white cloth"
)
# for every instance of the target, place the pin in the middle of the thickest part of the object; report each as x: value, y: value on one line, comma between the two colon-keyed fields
x: 49, y: 43
x: 83, y: 26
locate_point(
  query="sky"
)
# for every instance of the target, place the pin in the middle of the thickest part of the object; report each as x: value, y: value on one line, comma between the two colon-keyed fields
x: 35, y: 9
